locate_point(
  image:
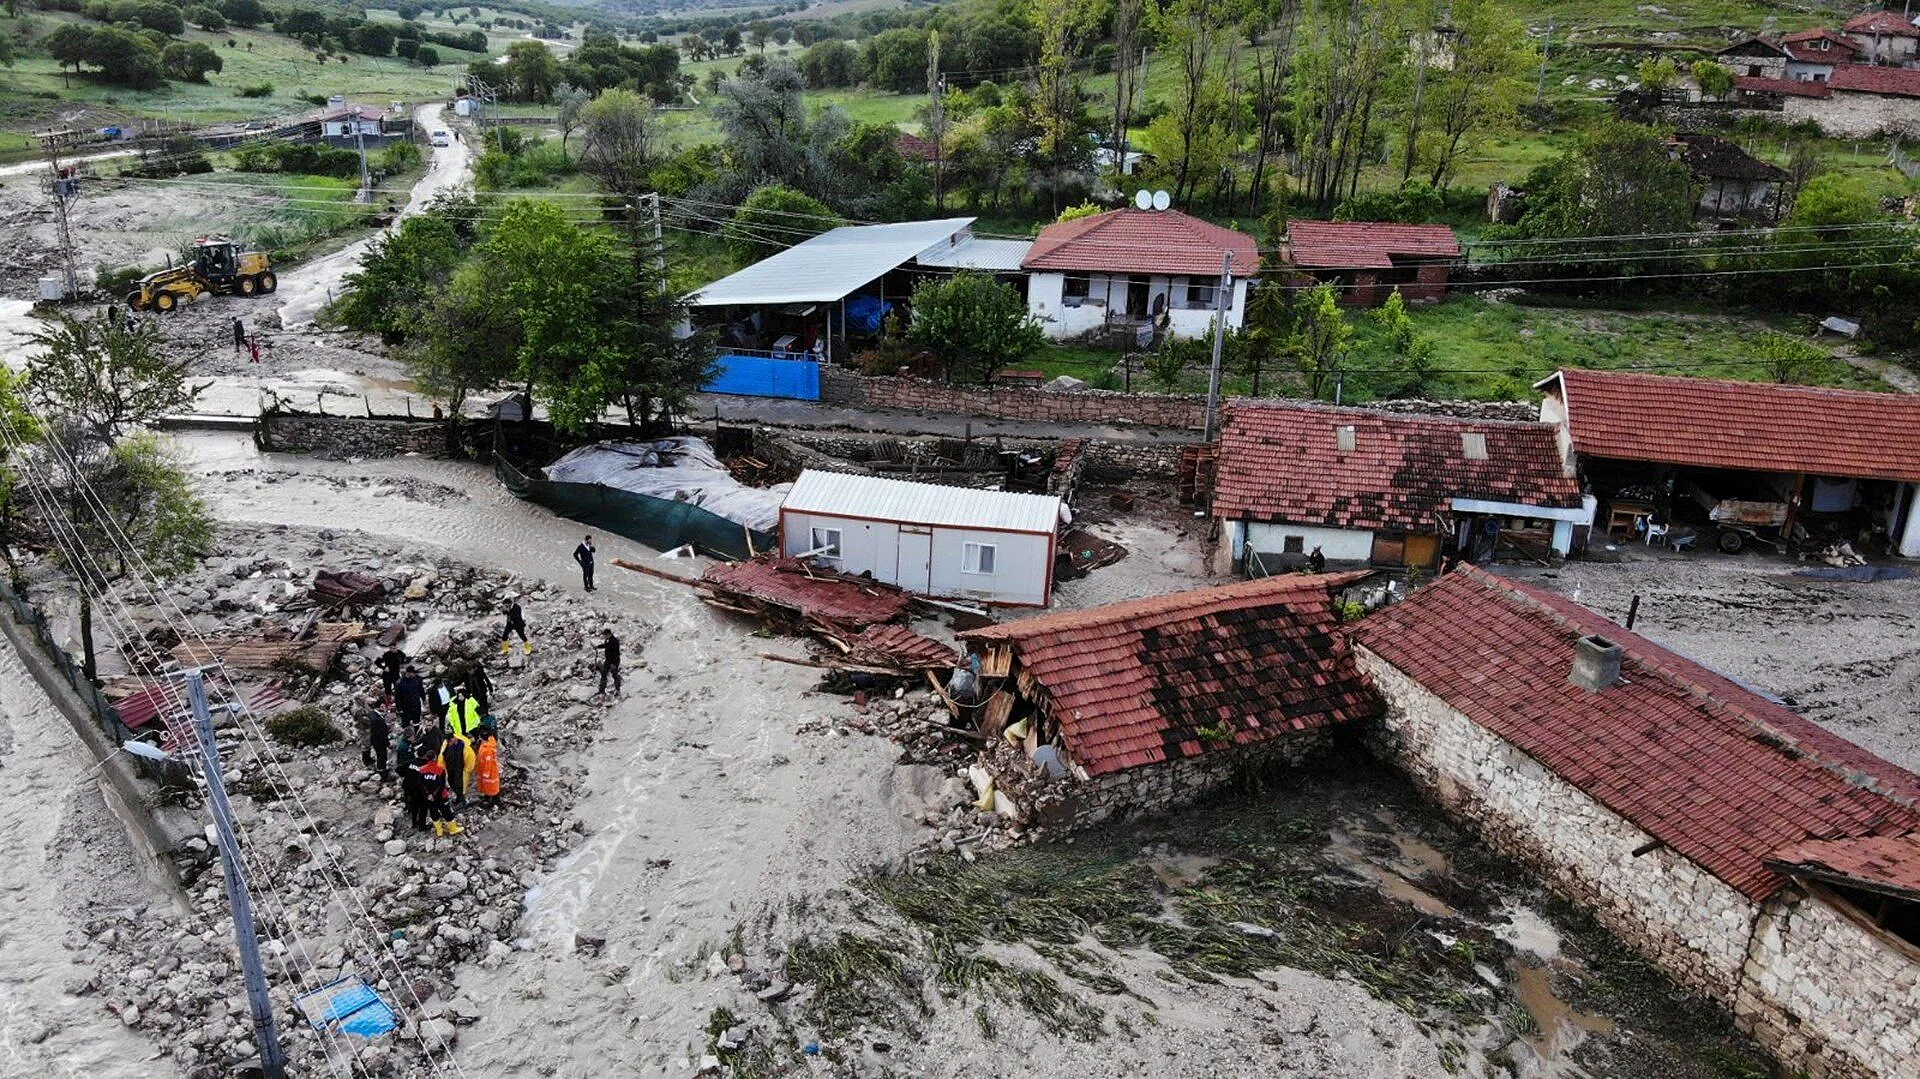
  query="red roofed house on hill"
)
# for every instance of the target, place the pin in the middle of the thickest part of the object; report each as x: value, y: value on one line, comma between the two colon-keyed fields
x: 1366, y: 260
x: 1135, y: 268
x: 1743, y: 461
x: 1813, y: 54
x: 1756, y: 57
x: 1884, y: 37
x: 1143, y: 705
x: 1748, y: 852
x: 1368, y: 488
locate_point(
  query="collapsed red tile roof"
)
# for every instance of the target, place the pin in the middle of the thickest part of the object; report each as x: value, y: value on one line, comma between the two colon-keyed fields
x: 1796, y: 87
x: 1134, y: 684
x: 1757, y: 426
x: 1885, y: 23
x: 1366, y: 245
x: 1142, y: 241
x: 1719, y: 774
x: 1284, y: 463
x: 785, y: 582
x: 1874, y: 79
x: 1887, y: 864
x: 913, y: 147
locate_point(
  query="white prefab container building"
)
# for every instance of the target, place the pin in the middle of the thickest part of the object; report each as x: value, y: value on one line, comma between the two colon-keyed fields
x: 948, y: 542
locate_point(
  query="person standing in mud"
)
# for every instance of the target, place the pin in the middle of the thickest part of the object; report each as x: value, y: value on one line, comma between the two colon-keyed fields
x: 609, y: 661
x: 239, y: 335
x: 413, y: 790
x: 480, y: 685
x: 455, y: 754
x: 410, y: 694
x: 583, y: 554
x: 379, y: 735
x: 439, y: 798
x: 392, y: 662
x: 516, y: 623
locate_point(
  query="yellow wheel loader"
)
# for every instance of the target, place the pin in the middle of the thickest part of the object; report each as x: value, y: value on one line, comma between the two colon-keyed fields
x: 218, y: 266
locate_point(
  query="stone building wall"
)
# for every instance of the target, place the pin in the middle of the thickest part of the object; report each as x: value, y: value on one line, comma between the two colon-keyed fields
x: 1856, y: 116
x: 349, y: 436
x: 1110, y: 461
x: 1823, y: 994
x: 1688, y: 920
x: 1822, y: 989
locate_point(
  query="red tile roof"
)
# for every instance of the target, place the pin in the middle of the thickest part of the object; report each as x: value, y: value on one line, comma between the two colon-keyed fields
x: 1837, y: 39
x: 1757, y: 426
x: 785, y: 582
x: 1142, y: 241
x: 1133, y: 684
x: 913, y: 147
x: 1874, y: 79
x: 1794, y: 87
x: 1284, y: 463
x: 1877, y: 863
x: 1717, y: 773
x: 1885, y: 23
x: 1365, y: 245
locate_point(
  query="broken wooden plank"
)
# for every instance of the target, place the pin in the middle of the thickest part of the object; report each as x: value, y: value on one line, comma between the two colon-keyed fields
x: 651, y: 572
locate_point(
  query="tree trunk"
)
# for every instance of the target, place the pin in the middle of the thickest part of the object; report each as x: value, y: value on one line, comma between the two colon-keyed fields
x: 88, y: 665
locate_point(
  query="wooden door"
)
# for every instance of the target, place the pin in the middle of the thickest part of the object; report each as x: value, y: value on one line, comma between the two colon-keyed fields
x: 1422, y: 549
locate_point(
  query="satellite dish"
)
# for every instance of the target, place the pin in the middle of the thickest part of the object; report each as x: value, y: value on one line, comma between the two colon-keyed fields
x: 1143, y: 199
x: 1161, y: 200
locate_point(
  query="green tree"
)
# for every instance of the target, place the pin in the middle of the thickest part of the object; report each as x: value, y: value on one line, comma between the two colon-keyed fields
x: 190, y: 61
x: 896, y: 60
x: 1789, y: 359
x: 427, y: 56
x: 400, y: 277
x: 618, y: 142
x: 1714, y: 79
x: 1080, y: 210
x: 974, y: 325
x: 1481, y: 87
x: 1620, y: 180
x: 830, y: 63
x: 568, y: 101
x: 773, y: 219
x: 1170, y: 362
x: 1658, y: 74
x: 68, y: 45
x: 372, y: 39
x: 107, y: 374
x: 245, y: 13
x: 530, y: 71
x: 1266, y: 334
x: 207, y: 18
x: 1321, y: 338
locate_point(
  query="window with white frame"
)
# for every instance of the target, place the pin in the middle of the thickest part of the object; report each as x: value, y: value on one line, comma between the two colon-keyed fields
x: 977, y: 558
x: 1200, y: 293
x: 827, y: 542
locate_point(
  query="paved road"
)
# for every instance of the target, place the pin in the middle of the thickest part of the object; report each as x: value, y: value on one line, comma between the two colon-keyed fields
x: 306, y: 288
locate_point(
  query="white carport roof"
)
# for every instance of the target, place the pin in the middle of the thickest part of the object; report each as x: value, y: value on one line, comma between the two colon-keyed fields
x: 1002, y: 256
x: 831, y: 265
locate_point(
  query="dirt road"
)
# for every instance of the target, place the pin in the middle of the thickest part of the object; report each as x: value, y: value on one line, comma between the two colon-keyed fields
x: 306, y: 288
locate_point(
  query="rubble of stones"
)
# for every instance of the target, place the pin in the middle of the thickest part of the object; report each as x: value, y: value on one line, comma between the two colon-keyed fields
x: 310, y: 818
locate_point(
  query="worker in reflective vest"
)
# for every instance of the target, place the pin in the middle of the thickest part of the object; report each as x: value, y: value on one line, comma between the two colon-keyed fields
x: 463, y: 714
x: 486, y: 768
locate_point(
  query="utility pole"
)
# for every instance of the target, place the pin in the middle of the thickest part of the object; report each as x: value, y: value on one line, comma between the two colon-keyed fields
x: 1546, y: 45
x: 273, y: 1060
x: 64, y: 187
x: 1221, y: 297
x: 659, y: 241
x: 360, y: 143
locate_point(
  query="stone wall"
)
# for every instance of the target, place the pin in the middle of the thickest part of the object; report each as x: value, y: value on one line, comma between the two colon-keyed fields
x: 1821, y: 989
x: 1181, y: 411
x: 1069, y: 804
x: 349, y: 436
x: 1855, y: 115
x: 1821, y: 993
x: 1107, y: 461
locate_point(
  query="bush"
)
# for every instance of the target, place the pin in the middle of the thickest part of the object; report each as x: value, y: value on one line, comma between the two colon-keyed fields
x: 118, y: 282
x: 314, y: 99
x: 207, y: 18
x: 398, y: 158
x: 304, y: 726
x: 265, y: 89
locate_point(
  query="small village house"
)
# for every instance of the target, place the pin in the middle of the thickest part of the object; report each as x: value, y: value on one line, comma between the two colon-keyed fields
x: 1884, y: 37
x: 1371, y: 489
x: 1141, y: 706
x: 1813, y: 54
x: 779, y: 319
x: 1367, y: 260
x: 347, y: 126
x: 1756, y: 58
x: 1749, y: 853
x: 994, y: 547
x: 1733, y: 183
x: 1131, y: 270
x: 1742, y: 461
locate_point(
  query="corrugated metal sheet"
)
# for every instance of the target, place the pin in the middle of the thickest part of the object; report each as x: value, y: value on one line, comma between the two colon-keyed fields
x: 880, y: 498
x: 831, y: 265
x: 1001, y: 256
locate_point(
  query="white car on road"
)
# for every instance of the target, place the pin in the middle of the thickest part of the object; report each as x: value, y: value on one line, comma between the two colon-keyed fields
x: 441, y: 138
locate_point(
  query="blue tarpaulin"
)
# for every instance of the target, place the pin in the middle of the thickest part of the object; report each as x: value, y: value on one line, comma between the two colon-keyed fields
x: 348, y: 1006
x: 764, y: 376
x: 865, y: 312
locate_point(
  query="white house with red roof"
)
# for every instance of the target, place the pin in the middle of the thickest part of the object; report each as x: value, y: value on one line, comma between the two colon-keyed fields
x: 1136, y: 268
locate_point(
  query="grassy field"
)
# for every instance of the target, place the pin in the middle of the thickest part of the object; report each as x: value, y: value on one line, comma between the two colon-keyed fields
x: 1489, y: 350
x: 34, y: 92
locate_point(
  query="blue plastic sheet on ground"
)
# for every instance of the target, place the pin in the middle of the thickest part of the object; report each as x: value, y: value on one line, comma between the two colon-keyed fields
x: 348, y: 1006
x: 764, y: 376
x: 1855, y: 573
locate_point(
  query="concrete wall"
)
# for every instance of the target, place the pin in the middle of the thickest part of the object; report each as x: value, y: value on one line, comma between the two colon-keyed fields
x: 349, y: 435
x: 1852, y: 115
x: 1022, y: 562
x: 1820, y: 992
x: 1341, y: 546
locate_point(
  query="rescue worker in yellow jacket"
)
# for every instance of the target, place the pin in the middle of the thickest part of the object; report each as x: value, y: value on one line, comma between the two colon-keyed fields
x: 463, y: 714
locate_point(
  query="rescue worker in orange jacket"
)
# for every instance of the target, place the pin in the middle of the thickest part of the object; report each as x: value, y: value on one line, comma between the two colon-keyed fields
x: 486, y: 767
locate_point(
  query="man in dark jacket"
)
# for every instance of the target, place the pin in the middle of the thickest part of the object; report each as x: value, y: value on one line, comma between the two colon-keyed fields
x: 410, y: 695
x: 392, y: 662
x: 379, y: 736
x: 583, y: 554
x: 413, y: 791
x: 516, y: 623
x: 609, y: 661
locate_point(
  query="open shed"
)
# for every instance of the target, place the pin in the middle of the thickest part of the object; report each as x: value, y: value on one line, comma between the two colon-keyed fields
x: 950, y: 542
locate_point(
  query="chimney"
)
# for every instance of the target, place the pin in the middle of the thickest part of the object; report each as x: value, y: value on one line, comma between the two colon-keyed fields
x: 1596, y: 663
